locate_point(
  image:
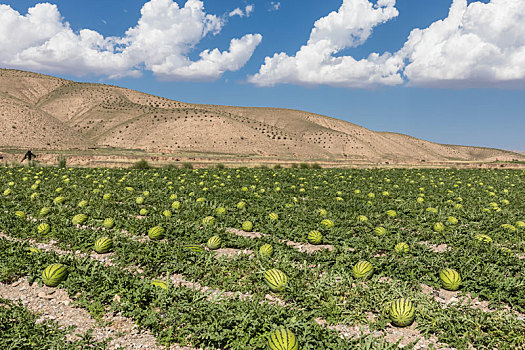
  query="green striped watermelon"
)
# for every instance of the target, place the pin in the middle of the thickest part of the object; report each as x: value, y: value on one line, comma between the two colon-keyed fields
x: 315, y: 237
x: 247, y: 226
x: 197, y: 248
x: 214, y: 243
x: 402, y: 312
x: 266, y: 251
x: 103, y: 245
x: 159, y: 283
x: 156, y: 233
x: 44, y: 211
x: 362, y: 269
x: 401, y: 248
x: 276, y: 280
x: 327, y: 223
x: 43, y: 229
x: 109, y: 223
x: 282, y: 339
x: 54, y: 274
x: 208, y: 221
x: 79, y: 219
x: 450, y: 279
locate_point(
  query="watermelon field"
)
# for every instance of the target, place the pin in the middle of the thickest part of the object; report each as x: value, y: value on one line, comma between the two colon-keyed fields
x: 256, y: 258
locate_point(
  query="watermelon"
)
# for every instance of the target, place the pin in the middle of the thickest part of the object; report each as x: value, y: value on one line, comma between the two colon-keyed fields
x: 166, y: 213
x: 175, y: 205
x: 402, y: 312
x: 197, y: 248
x: 220, y: 211
x: 282, y: 339
x: 315, y: 237
x: 43, y: 229
x: 156, y: 233
x: 106, y: 196
x: 208, y: 221
x: 143, y: 211
x: 241, y: 205
x: 439, y: 227
x: 276, y: 280
x: 362, y: 269
x: 362, y: 218
x: 139, y: 200
x: 54, y: 274
x: 322, y: 212
x: 21, y: 215
x: 452, y: 220
x: 214, y: 243
x: 483, y: 238
x: 380, y: 231
x: 266, y: 251
x: 79, y: 219
x: 450, y: 279
x: 159, y: 283
x: 247, y: 226
x: 44, y: 211
x: 33, y: 250
x: 273, y: 216
x: 82, y: 204
x: 103, y: 245
x: 59, y: 200
x: 109, y: 223
x: 391, y: 213
x: 401, y: 248
x: 327, y: 223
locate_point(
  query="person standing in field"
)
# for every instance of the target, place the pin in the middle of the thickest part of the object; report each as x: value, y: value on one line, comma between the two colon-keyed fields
x: 29, y: 156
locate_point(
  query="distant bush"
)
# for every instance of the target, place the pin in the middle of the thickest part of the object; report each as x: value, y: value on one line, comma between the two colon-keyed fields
x: 62, y: 162
x: 277, y: 166
x: 170, y: 166
x: 295, y: 166
x: 304, y: 166
x: 187, y: 165
x: 263, y: 166
x: 316, y: 166
x: 220, y: 166
x: 141, y: 164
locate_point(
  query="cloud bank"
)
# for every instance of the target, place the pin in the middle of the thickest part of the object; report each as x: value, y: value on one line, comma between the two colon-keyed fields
x: 477, y: 45
x: 160, y: 42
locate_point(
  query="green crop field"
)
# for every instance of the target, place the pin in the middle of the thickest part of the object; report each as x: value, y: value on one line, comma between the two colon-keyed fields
x: 270, y: 259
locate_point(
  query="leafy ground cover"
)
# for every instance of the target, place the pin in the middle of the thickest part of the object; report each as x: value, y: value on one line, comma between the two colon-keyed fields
x: 475, y: 217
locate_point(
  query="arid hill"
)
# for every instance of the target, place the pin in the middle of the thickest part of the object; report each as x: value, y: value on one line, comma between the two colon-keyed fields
x: 42, y: 112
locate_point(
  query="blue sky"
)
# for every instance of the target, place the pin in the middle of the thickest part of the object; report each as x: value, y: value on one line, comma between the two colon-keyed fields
x: 470, y: 91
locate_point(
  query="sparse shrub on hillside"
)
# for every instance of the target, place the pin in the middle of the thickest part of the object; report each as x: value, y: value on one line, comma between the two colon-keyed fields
x: 277, y: 166
x: 220, y: 166
x: 141, y: 164
x: 187, y: 165
x: 316, y: 166
x: 170, y: 166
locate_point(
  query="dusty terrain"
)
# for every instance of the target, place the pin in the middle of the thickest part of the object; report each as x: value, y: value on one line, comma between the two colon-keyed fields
x: 98, y: 123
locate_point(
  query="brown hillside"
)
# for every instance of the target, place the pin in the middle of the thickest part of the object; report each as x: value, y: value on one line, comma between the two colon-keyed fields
x: 39, y: 111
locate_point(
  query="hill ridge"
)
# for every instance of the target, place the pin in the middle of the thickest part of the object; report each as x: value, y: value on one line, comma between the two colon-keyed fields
x: 63, y: 114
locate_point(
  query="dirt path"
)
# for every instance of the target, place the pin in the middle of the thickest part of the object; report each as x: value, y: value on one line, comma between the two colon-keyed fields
x: 54, y: 304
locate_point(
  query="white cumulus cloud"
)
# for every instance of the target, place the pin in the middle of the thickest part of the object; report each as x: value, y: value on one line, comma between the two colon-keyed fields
x: 316, y: 63
x: 477, y: 45
x: 246, y: 13
x: 161, y: 42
